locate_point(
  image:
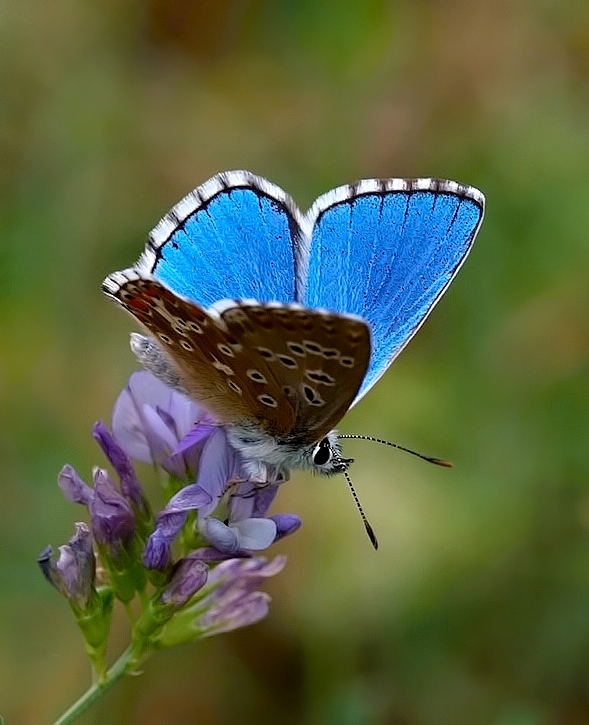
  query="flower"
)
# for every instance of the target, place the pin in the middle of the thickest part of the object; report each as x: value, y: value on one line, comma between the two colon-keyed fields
x: 155, y: 424
x: 221, y: 477
x: 229, y: 600
x: 118, y: 529
x: 120, y: 461
x: 189, y: 575
x: 74, y: 571
x: 111, y: 515
x: 235, y: 601
x: 200, y: 552
x: 73, y: 575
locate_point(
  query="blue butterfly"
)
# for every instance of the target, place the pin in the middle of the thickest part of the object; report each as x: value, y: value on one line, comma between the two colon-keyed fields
x: 279, y: 322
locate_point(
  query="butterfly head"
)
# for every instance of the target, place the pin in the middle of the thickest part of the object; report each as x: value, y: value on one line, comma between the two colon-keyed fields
x: 326, y: 456
x: 268, y: 458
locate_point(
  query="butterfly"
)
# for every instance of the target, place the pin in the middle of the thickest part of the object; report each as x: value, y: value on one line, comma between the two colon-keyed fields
x: 278, y: 321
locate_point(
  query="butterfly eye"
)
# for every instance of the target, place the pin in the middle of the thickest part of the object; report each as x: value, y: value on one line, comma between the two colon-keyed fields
x: 323, y: 453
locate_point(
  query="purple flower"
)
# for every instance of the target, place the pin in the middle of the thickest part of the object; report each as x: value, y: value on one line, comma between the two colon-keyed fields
x: 221, y: 475
x: 201, y: 551
x: 152, y: 423
x: 111, y: 516
x: 189, y: 575
x: 73, y: 575
x: 130, y: 486
x: 228, y: 600
x: 235, y: 601
x: 219, y: 465
x: 247, y: 528
x: 74, y: 571
x: 222, y: 483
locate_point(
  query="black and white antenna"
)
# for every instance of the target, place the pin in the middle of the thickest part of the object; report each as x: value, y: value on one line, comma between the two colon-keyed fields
x: 367, y: 526
x: 430, y: 459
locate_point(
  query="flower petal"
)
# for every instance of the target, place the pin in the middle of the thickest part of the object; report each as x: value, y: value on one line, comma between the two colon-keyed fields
x: 219, y: 465
x: 113, y: 521
x: 234, y: 602
x: 255, y: 534
x: 73, y: 487
x: 189, y: 498
x: 144, y: 433
x: 221, y: 536
x: 185, y: 455
x: 286, y: 524
x: 188, y: 577
x: 158, y: 553
x: 243, y: 612
x: 121, y: 462
x: 251, y: 500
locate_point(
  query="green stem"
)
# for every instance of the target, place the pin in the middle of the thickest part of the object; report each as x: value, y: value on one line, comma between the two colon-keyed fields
x: 98, y: 689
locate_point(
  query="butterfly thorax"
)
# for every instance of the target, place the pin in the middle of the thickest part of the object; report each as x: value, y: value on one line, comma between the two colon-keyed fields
x: 269, y: 459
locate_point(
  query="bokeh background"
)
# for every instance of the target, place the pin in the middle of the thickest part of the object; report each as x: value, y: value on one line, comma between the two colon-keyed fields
x: 475, y: 609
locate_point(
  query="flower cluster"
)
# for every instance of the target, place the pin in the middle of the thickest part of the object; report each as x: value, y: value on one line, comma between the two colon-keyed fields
x: 193, y: 566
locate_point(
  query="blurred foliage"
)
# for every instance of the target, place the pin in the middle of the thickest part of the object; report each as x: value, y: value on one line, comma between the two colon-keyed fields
x: 476, y: 607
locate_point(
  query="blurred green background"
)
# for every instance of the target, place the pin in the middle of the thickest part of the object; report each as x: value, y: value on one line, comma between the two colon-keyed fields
x: 476, y: 607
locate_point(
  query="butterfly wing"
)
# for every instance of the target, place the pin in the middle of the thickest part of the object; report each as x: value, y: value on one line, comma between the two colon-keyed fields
x: 315, y: 359
x: 292, y: 371
x: 237, y: 232
x: 386, y: 250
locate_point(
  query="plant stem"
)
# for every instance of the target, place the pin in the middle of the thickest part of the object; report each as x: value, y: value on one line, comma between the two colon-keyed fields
x: 92, y: 694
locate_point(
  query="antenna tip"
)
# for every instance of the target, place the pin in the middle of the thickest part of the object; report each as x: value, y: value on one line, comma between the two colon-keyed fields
x: 371, y: 534
x: 441, y: 462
